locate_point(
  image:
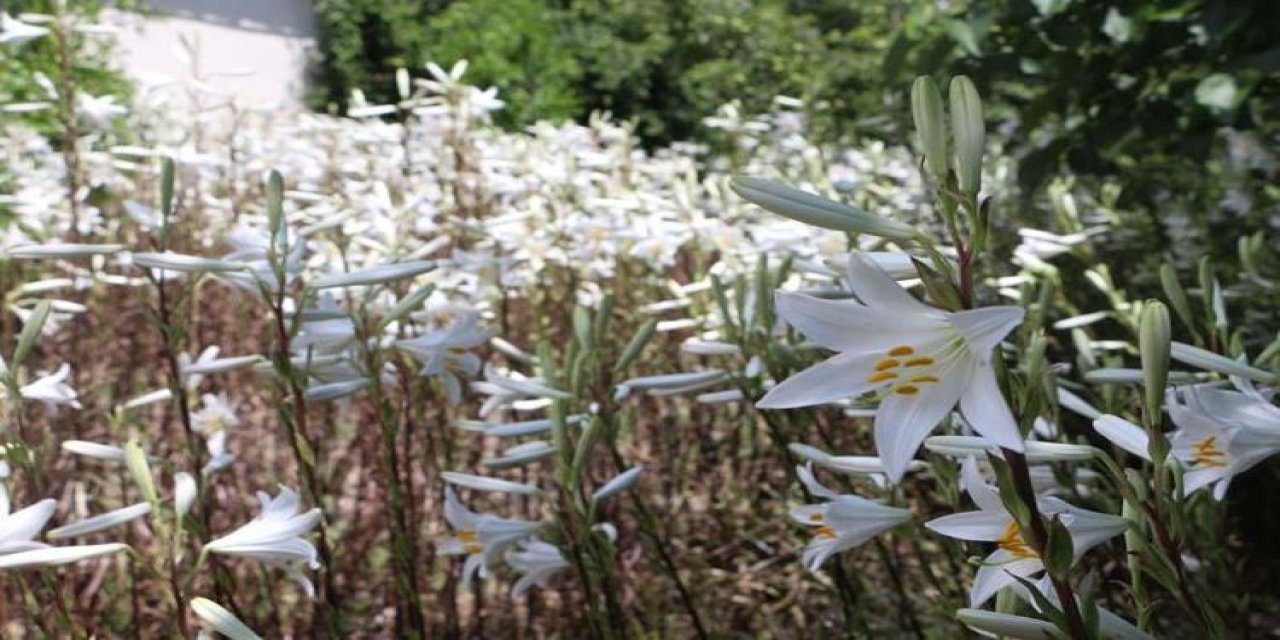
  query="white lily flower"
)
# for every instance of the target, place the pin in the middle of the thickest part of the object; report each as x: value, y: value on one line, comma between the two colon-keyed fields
x: 18, y: 528
x: 15, y: 32
x: 479, y: 536
x: 52, y: 389
x: 1220, y: 434
x: 214, y: 416
x: 843, y: 522
x: 1013, y: 555
x: 273, y: 537
x: 924, y: 360
x: 446, y: 353
x: 536, y: 562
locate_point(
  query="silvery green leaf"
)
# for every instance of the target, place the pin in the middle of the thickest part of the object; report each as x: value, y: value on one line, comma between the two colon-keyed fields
x: 222, y: 364
x: 31, y: 332
x: 376, y: 275
x: 61, y: 250
x: 185, y: 263
x: 335, y: 390
x: 817, y: 211
x: 101, y: 522
x: 485, y: 483
x: 53, y: 556
x: 136, y: 460
x: 521, y: 455
x: 221, y: 620
x: 1198, y: 357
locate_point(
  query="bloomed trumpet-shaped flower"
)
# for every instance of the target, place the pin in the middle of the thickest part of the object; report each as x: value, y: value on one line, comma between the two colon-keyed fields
x: 921, y: 360
x: 843, y: 522
x: 1014, y: 557
x: 1220, y: 434
x: 18, y: 528
x: 536, y: 562
x: 479, y: 536
x: 274, y: 537
x: 52, y: 389
x: 446, y: 353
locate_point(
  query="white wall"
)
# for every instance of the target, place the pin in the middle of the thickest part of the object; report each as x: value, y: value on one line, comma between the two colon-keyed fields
x: 256, y: 51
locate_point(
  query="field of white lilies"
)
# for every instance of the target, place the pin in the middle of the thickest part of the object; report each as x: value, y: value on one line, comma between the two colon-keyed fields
x: 405, y: 374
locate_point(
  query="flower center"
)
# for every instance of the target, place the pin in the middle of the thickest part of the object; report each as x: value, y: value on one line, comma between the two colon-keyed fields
x: 1011, y: 540
x: 1207, y: 453
x: 470, y: 541
x: 904, y: 370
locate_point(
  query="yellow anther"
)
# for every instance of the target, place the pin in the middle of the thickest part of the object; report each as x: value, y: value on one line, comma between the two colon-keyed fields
x: 470, y: 541
x: 1011, y: 540
x: 882, y: 376
x: 887, y: 363
x: 924, y: 378
x: 907, y: 390
x: 816, y: 517
x: 1207, y: 454
x: 824, y: 532
x: 903, y: 350
x: 922, y: 361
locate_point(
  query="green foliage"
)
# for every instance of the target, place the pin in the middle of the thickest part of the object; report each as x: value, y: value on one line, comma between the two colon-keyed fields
x: 88, y: 66
x: 665, y: 64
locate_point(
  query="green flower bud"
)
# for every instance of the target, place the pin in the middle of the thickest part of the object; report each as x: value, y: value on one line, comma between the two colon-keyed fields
x: 968, y: 132
x: 136, y: 460
x: 931, y: 131
x: 1154, y: 343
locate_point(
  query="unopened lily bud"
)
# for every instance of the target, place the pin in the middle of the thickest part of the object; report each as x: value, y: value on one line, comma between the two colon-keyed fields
x: 968, y: 132
x: 136, y: 460
x: 817, y: 211
x: 402, y: 83
x: 1154, y: 344
x: 618, y: 484
x: 184, y: 492
x: 931, y: 130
